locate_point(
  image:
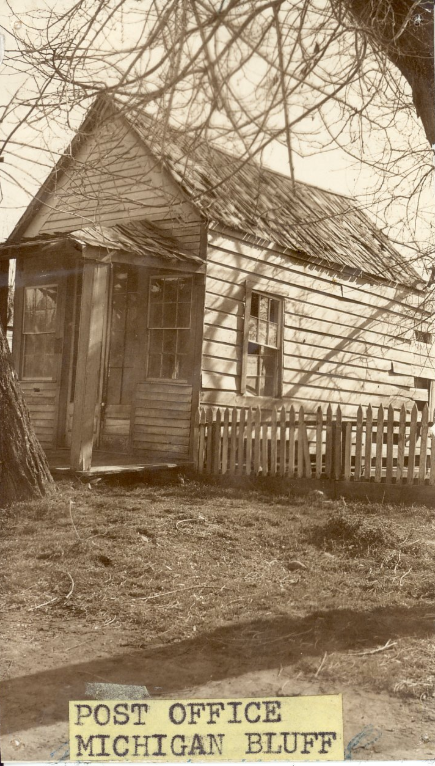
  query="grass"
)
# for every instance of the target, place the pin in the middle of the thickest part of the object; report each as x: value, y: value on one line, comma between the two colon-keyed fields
x: 263, y: 576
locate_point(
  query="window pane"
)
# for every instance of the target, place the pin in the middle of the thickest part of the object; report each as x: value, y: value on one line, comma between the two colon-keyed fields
x: 184, y: 367
x: 169, y: 314
x: 274, y: 311
x: 254, y: 304
x: 117, y: 330
x: 156, y: 290
x: 262, y: 331
x: 264, y: 308
x: 183, y: 315
x: 120, y: 278
x: 183, y: 338
x: 38, y: 357
x: 251, y: 385
x: 252, y: 330
x: 184, y: 290
x: 169, y: 367
x: 154, y: 365
x: 171, y: 290
x: 156, y: 315
x: 169, y: 341
x: 273, y: 334
x: 156, y: 341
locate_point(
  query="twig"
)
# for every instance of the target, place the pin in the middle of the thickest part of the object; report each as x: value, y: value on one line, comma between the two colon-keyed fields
x: 177, y: 590
x: 388, y: 645
x: 72, y: 520
x: 71, y: 590
x: 31, y: 608
x: 403, y: 576
x: 321, y: 665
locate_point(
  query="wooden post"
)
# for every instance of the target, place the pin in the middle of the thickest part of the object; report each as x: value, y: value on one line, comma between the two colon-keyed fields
x: 401, y: 445
x: 209, y: 448
x: 201, y: 441
x: 328, y: 443
x: 337, y: 445
x: 4, y: 291
x: 379, y: 444
x: 423, y: 444
x: 233, y: 442
x: 257, y: 432
x: 282, y: 442
x: 368, y: 444
x: 291, y: 442
x: 273, y: 443
x: 301, y: 425
x: 248, y: 441
x: 92, y: 317
x: 225, y: 433
x: 347, y: 450
x: 390, y: 442
x: 319, y: 430
x: 264, y: 449
x: 412, y: 445
x: 241, y: 443
x: 358, y: 444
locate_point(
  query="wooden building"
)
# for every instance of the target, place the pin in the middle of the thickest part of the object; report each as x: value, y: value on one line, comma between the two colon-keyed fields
x: 155, y: 273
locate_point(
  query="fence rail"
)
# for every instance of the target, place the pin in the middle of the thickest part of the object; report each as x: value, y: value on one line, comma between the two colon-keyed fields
x: 389, y: 445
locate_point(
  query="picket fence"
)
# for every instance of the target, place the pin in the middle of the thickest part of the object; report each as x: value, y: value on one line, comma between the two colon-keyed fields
x: 387, y: 445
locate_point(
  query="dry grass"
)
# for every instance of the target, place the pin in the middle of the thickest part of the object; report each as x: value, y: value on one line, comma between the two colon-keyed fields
x: 272, y: 578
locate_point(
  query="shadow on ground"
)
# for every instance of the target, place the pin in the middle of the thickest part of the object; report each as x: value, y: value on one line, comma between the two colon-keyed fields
x: 41, y: 699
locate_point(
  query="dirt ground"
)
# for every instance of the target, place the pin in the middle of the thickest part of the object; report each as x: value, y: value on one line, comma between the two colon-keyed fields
x: 197, y: 591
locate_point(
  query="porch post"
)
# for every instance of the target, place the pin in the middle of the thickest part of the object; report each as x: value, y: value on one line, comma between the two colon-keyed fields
x: 89, y: 355
x: 4, y: 277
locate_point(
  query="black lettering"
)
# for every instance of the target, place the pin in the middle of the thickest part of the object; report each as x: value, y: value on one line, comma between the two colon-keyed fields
x: 115, y: 746
x: 119, y: 712
x: 214, y: 710
x: 254, y: 740
x: 139, y: 706
x: 327, y: 738
x: 183, y: 746
x: 234, y: 719
x: 173, y: 714
x: 272, y: 706
x: 269, y: 736
x: 195, y: 710
x: 293, y: 734
x: 159, y: 738
x: 102, y: 738
x: 213, y: 742
x: 248, y: 706
x: 197, y: 746
x: 81, y: 715
x: 137, y: 744
x: 83, y: 746
x: 309, y: 739
x: 97, y: 711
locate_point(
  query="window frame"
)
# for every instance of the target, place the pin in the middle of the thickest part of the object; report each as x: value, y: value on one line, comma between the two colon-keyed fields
x: 190, y: 328
x: 249, y: 290
x: 24, y: 333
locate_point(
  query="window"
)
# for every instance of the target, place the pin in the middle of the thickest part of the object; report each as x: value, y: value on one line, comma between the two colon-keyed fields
x: 262, y: 346
x: 422, y: 336
x: 169, y: 320
x: 423, y: 388
x: 39, y: 331
x: 124, y: 335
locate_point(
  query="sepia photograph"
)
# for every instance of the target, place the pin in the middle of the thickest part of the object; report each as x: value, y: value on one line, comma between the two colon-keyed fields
x: 217, y: 373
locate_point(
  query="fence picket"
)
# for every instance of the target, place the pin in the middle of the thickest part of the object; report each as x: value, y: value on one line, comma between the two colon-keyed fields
x: 241, y: 442
x: 209, y: 456
x: 201, y: 442
x: 257, y: 432
x: 347, y: 450
x: 273, y: 444
x: 282, y: 442
x: 401, y: 445
x: 301, y: 443
x: 423, y: 444
x: 368, y: 444
x: 390, y: 443
x: 432, y: 454
x: 328, y: 443
x: 379, y: 444
x: 337, y: 444
x: 216, y: 430
x: 358, y: 444
x: 248, y: 441
x: 233, y: 442
x: 319, y: 445
x: 264, y: 449
x: 225, y: 436
x: 412, y: 445
x: 291, y: 443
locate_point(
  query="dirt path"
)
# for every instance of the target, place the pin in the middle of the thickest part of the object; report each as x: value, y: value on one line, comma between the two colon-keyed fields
x: 42, y: 673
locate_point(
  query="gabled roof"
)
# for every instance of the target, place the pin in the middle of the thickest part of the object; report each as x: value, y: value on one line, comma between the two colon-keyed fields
x: 319, y: 225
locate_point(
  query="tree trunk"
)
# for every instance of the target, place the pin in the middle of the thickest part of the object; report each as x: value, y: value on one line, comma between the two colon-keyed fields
x: 403, y: 30
x: 24, y: 472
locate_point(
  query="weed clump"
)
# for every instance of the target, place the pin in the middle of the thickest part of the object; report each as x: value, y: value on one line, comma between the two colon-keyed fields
x: 358, y: 535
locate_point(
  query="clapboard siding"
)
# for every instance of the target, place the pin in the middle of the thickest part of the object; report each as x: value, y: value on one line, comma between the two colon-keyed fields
x: 162, y: 420
x: 114, y: 179
x: 346, y: 341
x: 41, y: 399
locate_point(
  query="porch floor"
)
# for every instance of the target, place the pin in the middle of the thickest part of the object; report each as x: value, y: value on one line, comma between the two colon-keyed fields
x: 103, y: 463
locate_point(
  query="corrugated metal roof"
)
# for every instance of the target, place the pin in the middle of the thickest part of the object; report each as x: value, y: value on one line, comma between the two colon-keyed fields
x: 139, y: 237
x: 319, y: 225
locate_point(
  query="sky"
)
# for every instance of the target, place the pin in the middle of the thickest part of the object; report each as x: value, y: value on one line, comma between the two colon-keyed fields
x: 22, y: 174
